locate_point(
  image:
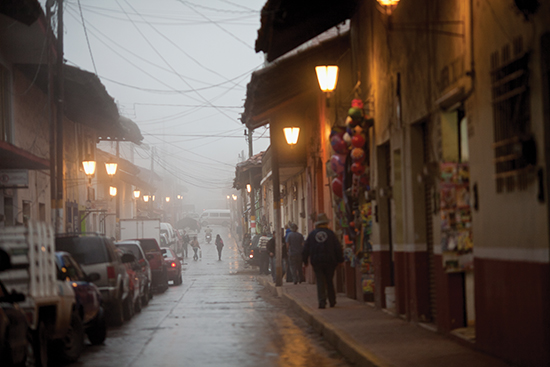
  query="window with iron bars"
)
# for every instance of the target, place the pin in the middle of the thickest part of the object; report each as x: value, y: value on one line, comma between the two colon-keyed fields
x: 513, y: 145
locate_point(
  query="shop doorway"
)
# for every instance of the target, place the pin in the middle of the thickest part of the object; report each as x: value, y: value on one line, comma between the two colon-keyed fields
x: 456, y: 223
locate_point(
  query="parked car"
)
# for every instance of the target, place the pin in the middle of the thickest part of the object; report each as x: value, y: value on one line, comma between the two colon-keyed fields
x: 13, y: 323
x: 97, y: 254
x: 154, y: 255
x: 88, y: 297
x: 144, y: 271
x: 135, y: 285
x: 173, y: 265
x: 168, y: 231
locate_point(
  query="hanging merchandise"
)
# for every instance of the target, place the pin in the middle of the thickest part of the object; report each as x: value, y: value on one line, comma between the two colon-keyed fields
x: 338, y: 144
x: 337, y: 186
x: 338, y: 163
x: 455, y: 214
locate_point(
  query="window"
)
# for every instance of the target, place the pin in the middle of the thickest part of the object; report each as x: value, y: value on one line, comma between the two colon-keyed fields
x: 513, y: 143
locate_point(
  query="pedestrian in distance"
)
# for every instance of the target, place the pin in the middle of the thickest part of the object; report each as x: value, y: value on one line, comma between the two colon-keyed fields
x: 195, y: 246
x: 219, y: 246
x: 295, y: 246
x: 324, y: 251
x: 185, y: 244
x: 273, y: 259
x: 286, y: 266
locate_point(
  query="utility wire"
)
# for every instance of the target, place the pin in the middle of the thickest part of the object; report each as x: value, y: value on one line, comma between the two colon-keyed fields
x: 86, y: 34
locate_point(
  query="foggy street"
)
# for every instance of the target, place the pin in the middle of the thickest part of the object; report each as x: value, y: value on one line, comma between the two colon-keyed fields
x: 219, y: 316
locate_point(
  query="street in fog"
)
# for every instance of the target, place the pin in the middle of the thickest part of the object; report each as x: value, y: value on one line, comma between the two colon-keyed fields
x: 219, y: 316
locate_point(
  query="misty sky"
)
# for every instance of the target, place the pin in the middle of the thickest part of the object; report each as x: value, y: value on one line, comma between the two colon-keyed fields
x: 179, y: 69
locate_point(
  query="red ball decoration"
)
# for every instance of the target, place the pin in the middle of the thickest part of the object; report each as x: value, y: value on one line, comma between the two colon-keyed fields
x: 357, y: 154
x: 337, y: 187
x: 357, y: 168
x: 358, y: 140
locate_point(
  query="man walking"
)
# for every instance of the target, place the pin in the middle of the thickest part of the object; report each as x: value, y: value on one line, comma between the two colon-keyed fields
x: 295, y: 243
x: 325, y: 251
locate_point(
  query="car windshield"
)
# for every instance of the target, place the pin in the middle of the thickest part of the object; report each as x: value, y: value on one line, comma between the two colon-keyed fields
x: 85, y: 250
x: 130, y: 248
x: 168, y: 254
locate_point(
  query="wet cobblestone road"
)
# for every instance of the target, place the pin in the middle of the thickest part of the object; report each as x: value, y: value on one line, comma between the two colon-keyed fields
x: 219, y: 316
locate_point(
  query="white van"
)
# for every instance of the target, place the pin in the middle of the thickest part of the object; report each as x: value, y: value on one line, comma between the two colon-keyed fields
x: 215, y: 216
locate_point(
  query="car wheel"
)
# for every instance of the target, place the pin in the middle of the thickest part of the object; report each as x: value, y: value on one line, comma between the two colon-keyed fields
x: 137, y: 305
x: 179, y: 280
x: 72, y: 344
x: 37, y: 351
x: 97, y: 333
x: 117, y: 314
x: 145, y: 298
x: 128, y: 307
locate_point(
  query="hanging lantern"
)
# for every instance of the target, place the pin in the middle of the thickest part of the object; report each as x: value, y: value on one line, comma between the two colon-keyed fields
x: 112, y: 190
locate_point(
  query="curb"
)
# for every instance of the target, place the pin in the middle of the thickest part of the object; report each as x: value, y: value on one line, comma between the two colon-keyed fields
x: 339, y: 339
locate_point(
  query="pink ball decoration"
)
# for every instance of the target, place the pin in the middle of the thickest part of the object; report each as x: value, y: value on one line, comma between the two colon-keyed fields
x: 338, y: 144
x: 357, y: 168
x: 357, y: 103
x: 357, y: 154
x: 358, y: 140
x: 337, y: 187
x: 338, y: 163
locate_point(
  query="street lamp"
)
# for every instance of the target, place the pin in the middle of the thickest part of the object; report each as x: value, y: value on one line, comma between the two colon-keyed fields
x: 291, y: 135
x: 234, y: 197
x: 89, y: 168
x: 111, y: 168
x: 248, y: 188
x: 146, y: 198
x: 327, y: 75
x: 388, y: 5
x: 137, y: 193
x: 112, y: 191
x: 168, y: 199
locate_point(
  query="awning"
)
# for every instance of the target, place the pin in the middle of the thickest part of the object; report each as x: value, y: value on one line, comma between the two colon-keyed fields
x: 24, y: 11
x: 12, y: 157
x: 286, y: 24
x: 290, y: 78
x: 87, y: 102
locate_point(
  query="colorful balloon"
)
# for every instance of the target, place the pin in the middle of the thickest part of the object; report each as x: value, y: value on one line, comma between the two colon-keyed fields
x: 338, y: 163
x: 357, y: 103
x: 358, y: 140
x: 355, y: 113
x: 357, y: 154
x: 347, y: 138
x: 337, y: 186
x: 357, y: 168
x: 338, y: 144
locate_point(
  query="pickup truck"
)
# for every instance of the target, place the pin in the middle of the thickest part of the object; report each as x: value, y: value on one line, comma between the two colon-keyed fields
x: 50, y: 305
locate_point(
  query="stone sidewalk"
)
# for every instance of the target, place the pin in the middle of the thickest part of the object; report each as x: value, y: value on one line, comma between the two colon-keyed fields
x: 371, y: 337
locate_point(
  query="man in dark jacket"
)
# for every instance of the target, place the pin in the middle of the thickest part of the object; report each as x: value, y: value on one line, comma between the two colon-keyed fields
x: 324, y: 251
x: 272, y: 259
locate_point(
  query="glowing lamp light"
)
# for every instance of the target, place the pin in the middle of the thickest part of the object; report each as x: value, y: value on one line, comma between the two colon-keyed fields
x: 388, y: 2
x: 327, y: 77
x: 111, y: 168
x: 248, y: 187
x: 388, y: 5
x: 137, y: 193
x: 89, y: 167
x: 227, y: 197
x: 146, y: 198
x: 153, y: 197
x: 234, y: 197
x: 168, y: 199
x: 291, y: 135
x: 112, y: 190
